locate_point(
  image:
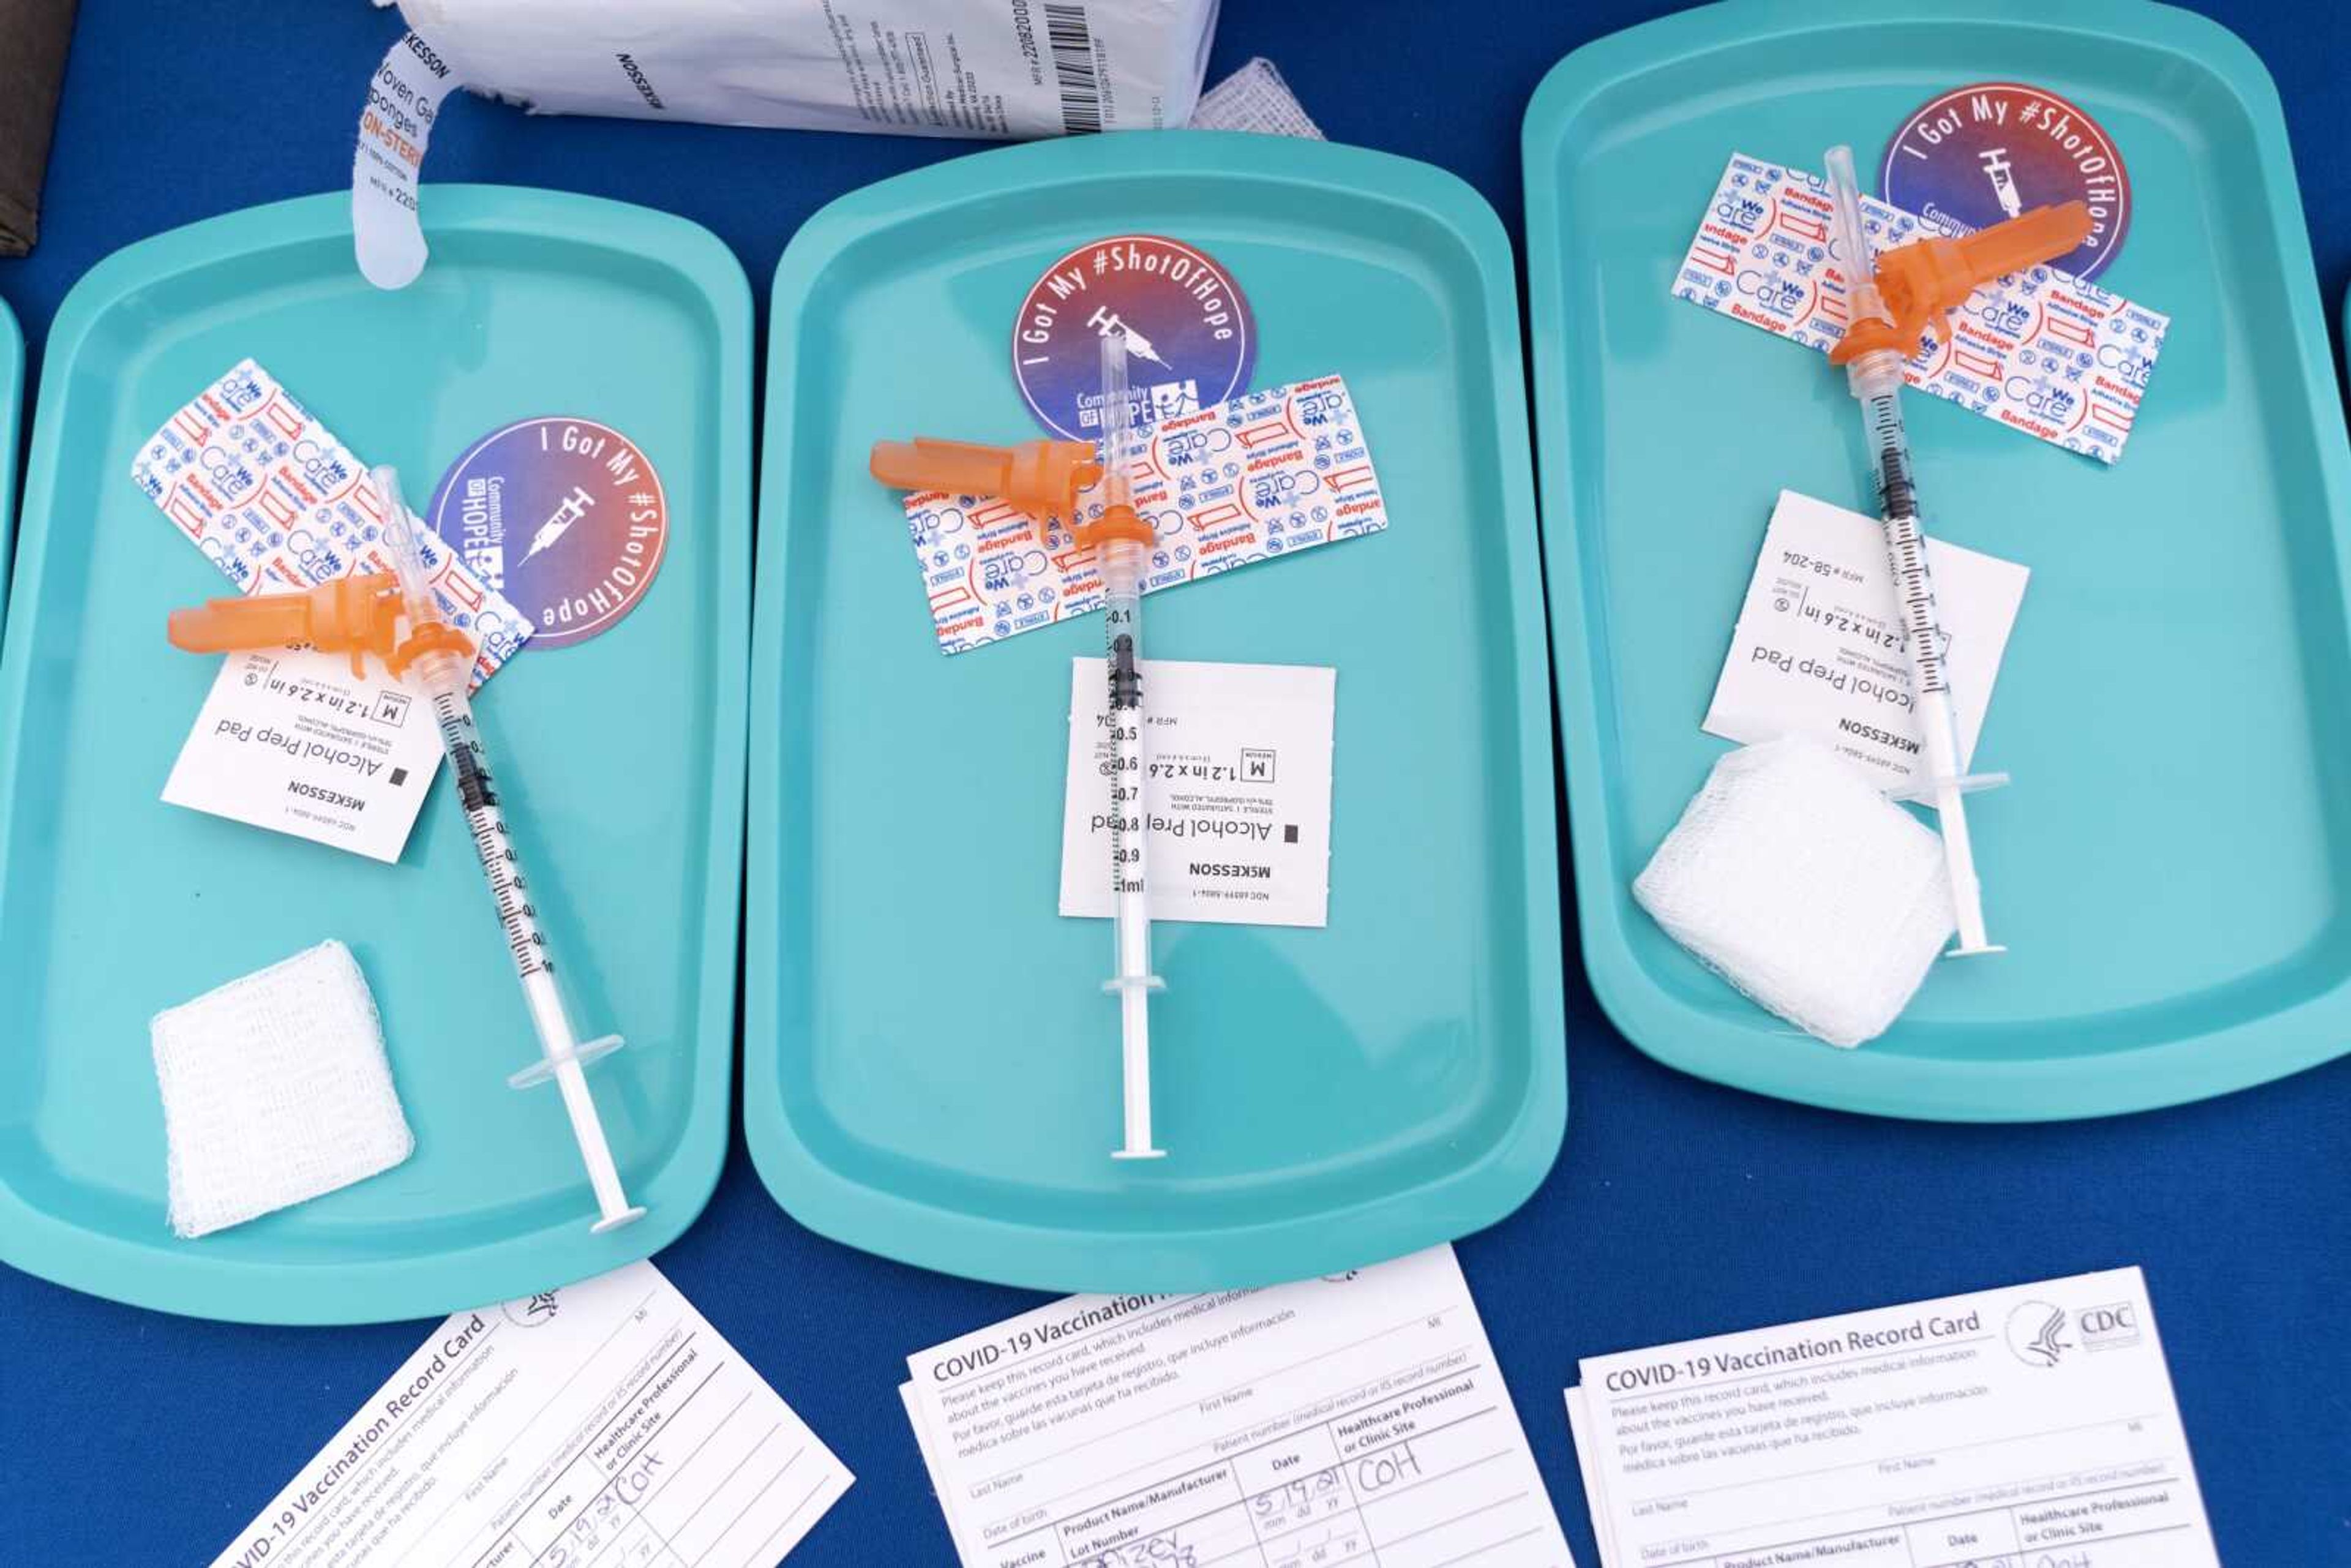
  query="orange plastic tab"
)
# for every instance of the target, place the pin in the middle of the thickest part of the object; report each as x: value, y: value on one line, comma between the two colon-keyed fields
x: 1040, y: 478
x: 356, y: 615
x: 1927, y: 279
x: 1116, y: 523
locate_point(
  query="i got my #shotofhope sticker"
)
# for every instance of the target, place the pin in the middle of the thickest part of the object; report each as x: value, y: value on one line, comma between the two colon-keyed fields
x: 1978, y: 154
x: 1190, y: 338
x: 565, y: 516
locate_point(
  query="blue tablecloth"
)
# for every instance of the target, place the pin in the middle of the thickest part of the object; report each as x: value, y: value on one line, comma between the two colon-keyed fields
x: 1676, y: 1208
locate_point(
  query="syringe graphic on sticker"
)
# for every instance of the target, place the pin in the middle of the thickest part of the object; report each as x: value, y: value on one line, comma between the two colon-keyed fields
x: 558, y: 522
x: 1998, y: 169
x: 1138, y: 346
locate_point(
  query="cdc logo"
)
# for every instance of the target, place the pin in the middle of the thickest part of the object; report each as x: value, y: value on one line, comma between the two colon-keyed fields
x: 2036, y: 1334
x: 2110, y: 1327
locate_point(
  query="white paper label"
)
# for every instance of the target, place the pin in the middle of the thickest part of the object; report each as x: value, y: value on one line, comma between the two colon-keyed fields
x: 289, y: 740
x: 1820, y: 651
x: 1236, y: 786
x: 403, y: 99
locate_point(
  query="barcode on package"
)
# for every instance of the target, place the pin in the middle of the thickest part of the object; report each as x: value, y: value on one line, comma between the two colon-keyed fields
x: 1072, y: 43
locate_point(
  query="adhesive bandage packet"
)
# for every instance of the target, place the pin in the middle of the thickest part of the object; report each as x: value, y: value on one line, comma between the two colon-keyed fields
x: 1236, y: 791
x: 1819, y: 647
x: 1261, y: 476
x: 1356, y: 1418
x: 604, y: 1423
x: 2032, y: 1425
x: 2040, y: 350
x: 276, y: 502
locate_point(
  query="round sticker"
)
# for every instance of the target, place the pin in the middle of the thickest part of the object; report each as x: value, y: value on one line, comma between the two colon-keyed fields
x: 1980, y: 154
x: 564, y: 517
x: 1190, y: 338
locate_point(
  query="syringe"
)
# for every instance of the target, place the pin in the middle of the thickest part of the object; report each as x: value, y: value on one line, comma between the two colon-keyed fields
x: 440, y: 662
x: 1875, y: 376
x: 1121, y: 540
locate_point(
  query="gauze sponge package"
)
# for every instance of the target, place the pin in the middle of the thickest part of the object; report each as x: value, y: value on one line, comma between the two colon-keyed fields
x: 276, y: 1089
x: 908, y: 67
x: 1792, y: 878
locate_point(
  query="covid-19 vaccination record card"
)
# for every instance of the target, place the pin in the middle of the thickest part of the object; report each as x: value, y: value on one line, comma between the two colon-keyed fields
x: 603, y: 1425
x: 2032, y: 1426
x: 1356, y: 1421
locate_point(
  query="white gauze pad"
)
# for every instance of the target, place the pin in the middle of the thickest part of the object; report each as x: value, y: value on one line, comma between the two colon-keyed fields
x: 1254, y: 98
x: 274, y: 1090
x: 1792, y: 878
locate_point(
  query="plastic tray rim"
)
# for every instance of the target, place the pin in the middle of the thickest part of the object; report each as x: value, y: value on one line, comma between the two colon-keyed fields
x: 1482, y: 1192
x: 388, y: 1289
x: 2165, y: 1072
x: 12, y: 389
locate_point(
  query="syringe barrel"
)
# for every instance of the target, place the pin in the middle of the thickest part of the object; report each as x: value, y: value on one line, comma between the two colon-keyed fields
x: 1888, y: 440
x: 1121, y: 562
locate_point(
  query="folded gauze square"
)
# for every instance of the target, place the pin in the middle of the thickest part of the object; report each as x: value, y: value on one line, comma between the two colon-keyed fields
x: 1792, y: 878
x: 276, y: 1089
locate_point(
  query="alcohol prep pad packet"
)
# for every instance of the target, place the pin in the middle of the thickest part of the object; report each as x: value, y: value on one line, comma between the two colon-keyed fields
x: 1820, y: 646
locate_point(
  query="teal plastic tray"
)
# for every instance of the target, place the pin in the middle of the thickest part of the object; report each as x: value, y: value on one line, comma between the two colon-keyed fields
x: 931, y: 1069
x: 12, y: 389
x: 2176, y: 704
x: 621, y: 766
